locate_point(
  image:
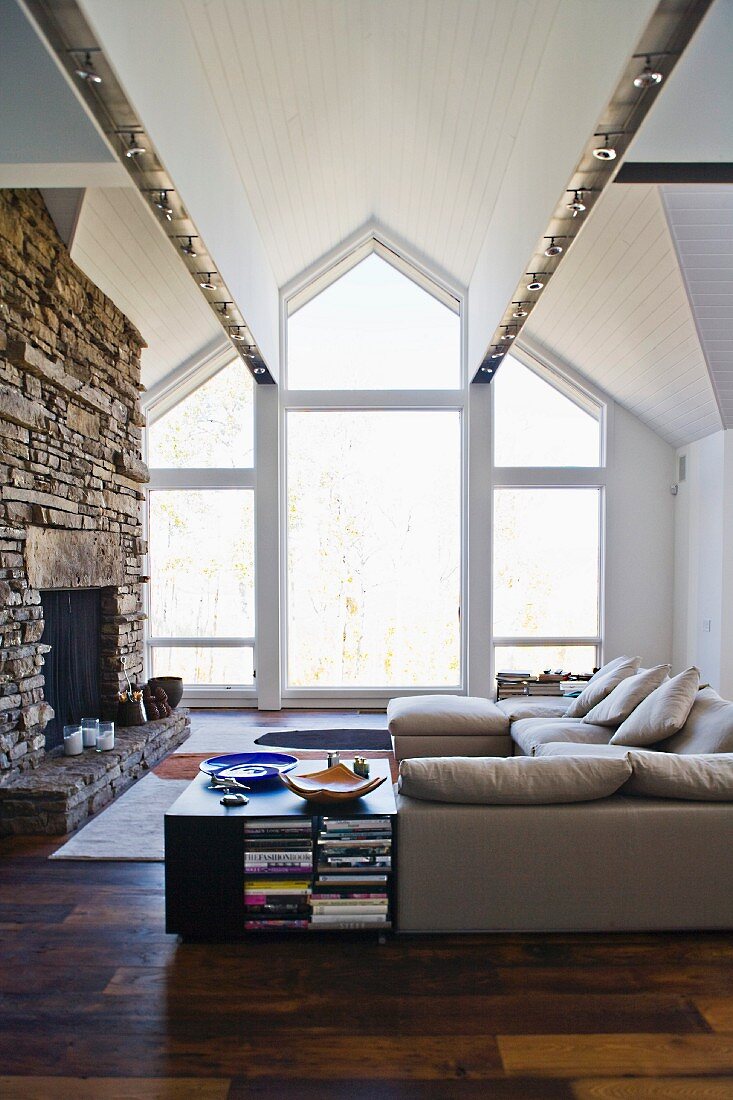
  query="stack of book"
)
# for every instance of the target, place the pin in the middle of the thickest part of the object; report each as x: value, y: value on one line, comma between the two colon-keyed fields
x: 350, y: 890
x: 278, y: 872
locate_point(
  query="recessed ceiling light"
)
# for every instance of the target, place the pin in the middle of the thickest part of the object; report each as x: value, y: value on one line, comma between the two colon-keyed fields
x: 648, y: 77
x: 487, y: 370
x: 259, y: 370
x: 86, y: 71
x: 205, y: 280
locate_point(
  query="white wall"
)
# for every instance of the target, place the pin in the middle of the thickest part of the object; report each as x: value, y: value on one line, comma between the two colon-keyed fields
x: 639, y: 541
x: 703, y: 603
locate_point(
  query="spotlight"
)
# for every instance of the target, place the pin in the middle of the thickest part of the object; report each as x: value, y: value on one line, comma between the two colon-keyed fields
x: 520, y: 311
x: 239, y: 336
x: 223, y: 309
x: 259, y: 370
x: 552, y: 248
x: 85, y: 70
x: 250, y: 352
x: 134, y: 149
x: 187, y: 248
x: 499, y: 353
x: 159, y: 198
x: 648, y: 77
x: 536, y: 284
x: 205, y: 281
x: 605, y: 151
x: 577, y: 205
x: 487, y: 370
x: 507, y: 335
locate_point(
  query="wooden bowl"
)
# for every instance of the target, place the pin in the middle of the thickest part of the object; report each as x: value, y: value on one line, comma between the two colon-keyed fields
x: 337, y: 784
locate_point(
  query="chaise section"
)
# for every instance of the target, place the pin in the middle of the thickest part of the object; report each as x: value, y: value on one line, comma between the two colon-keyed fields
x: 529, y: 733
x: 447, y: 725
x: 533, y: 706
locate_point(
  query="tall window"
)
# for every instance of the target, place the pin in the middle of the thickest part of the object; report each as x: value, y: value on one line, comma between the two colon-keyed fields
x: 201, y: 535
x: 547, y: 524
x: 373, y: 559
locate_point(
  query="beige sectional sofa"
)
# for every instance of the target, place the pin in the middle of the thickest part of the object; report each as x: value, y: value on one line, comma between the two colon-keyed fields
x: 619, y: 862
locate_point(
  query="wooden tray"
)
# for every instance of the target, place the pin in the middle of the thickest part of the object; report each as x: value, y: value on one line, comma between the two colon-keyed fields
x: 337, y: 784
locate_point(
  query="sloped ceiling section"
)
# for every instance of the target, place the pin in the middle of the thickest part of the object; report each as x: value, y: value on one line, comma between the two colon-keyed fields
x: 617, y: 311
x: 701, y: 220
x: 119, y: 244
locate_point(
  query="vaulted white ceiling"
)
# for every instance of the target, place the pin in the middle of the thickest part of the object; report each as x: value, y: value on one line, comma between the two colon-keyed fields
x: 343, y: 113
x: 617, y: 310
x: 701, y: 220
x: 120, y: 245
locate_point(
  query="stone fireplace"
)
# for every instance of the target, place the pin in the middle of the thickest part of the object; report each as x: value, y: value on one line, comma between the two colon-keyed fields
x: 71, y: 473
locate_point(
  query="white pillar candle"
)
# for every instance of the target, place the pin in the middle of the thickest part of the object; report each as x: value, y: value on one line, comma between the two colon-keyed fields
x: 89, y: 731
x: 106, y: 736
x: 72, y: 740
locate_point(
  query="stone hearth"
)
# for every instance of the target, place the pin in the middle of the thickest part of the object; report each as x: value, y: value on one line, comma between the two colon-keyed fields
x: 63, y: 791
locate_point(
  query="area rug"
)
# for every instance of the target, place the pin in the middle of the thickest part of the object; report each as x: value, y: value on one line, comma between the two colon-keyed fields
x: 132, y: 827
x: 346, y: 740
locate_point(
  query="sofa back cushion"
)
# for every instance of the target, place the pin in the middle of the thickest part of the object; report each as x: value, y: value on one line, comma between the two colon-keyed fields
x: 662, y: 713
x: 512, y: 780
x: 703, y: 778
x: 626, y: 696
x: 601, y: 686
x: 610, y: 666
x: 709, y: 726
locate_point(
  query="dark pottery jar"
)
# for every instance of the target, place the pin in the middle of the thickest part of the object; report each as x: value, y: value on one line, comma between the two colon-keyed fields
x: 172, y: 686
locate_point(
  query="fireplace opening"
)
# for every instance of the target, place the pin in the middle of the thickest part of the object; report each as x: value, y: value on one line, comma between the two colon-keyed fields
x: 72, y: 668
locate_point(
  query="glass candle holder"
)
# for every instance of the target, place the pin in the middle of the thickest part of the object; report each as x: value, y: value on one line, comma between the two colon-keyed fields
x: 73, y: 743
x: 106, y: 736
x: 89, y: 731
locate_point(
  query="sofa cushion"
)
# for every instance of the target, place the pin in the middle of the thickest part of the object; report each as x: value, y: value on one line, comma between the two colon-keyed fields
x: 513, y: 780
x: 610, y: 666
x: 709, y: 726
x: 662, y: 713
x: 528, y: 733
x: 438, y: 715
x: 533, y: 706
x: 701, y: 778
x: 626, y: 696
x: 601, y: 686
x: 577, y: 748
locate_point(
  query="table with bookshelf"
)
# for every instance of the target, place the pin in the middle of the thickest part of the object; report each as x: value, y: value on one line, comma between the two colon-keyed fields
x: 280, y: 864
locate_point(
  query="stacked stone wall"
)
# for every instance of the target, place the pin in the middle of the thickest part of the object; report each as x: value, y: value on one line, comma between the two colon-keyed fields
x: 70, y: 461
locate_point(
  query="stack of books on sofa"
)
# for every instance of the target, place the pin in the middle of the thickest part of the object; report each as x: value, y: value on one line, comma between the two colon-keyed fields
x: 351, y: 887
x: 278, y: 872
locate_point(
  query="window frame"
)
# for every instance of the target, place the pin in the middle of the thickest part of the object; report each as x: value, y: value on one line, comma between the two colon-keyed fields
x: 557, y: 477
x: 217, y: 479
x: 450, y: 400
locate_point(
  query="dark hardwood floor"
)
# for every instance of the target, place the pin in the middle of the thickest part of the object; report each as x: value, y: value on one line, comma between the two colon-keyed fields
x: 97, y: 1002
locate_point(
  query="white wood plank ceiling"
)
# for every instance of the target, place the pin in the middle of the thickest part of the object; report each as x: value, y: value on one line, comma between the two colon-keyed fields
x: 701, y: 220
x: 120, y: 245
x: 343, y: 113
x: 618, y: 312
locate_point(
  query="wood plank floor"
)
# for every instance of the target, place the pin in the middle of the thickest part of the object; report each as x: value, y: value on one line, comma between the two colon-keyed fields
x: 97, y: 1002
